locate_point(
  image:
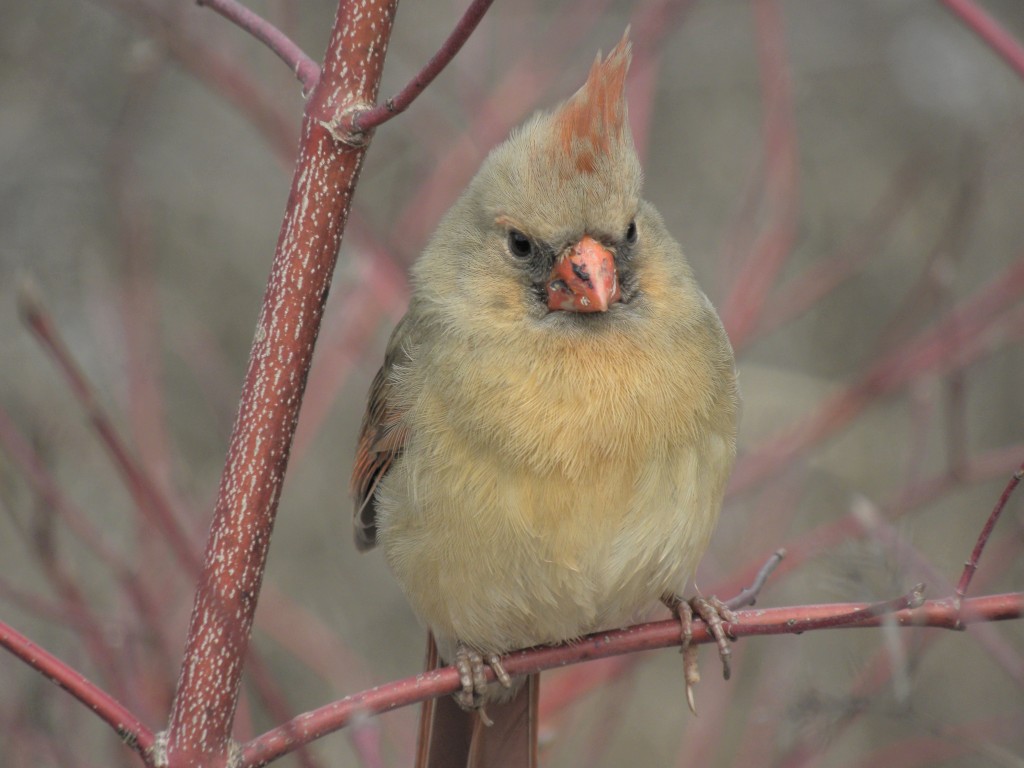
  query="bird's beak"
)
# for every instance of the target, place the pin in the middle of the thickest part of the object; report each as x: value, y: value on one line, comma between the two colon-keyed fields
x: 584, y: 279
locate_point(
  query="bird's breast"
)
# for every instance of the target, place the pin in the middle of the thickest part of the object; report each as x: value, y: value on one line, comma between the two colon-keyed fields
x: 541, y: 497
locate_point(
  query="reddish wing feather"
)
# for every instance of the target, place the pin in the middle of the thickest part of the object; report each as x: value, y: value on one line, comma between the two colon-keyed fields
x: 381, y: 441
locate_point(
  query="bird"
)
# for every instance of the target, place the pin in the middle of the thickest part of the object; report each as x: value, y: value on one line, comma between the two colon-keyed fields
x: 547, y: 444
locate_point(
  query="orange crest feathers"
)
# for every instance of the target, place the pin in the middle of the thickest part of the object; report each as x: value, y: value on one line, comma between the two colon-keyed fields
x: 588, y: 124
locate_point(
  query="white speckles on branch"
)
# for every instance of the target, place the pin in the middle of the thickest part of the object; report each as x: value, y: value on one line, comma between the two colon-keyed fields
x: 279, y: 360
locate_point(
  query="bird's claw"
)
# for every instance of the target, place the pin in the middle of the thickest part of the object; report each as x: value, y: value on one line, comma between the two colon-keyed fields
x: 470, y: 666
x: 714, y: 613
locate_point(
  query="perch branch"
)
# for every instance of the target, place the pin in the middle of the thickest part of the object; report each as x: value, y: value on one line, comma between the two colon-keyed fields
x: 642, y: 637
x: 305, y: 69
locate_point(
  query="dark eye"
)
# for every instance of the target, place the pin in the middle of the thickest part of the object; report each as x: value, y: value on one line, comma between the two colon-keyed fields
x: 519, y: 244
x: 631, y: 233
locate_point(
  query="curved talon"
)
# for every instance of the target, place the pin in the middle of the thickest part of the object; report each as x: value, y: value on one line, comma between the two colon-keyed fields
x: 712, y: 611
x: 473, y: 677
x: 494, y: 662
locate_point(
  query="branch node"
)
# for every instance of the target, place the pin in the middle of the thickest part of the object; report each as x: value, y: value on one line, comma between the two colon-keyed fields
x: 958, y: 625
x: 344, y: 128
x: 158, y: 752
x: 234, y: 759
x: 916, y: 597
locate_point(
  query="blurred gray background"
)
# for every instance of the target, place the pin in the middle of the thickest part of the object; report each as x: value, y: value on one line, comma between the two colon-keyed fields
x: 141, y: 191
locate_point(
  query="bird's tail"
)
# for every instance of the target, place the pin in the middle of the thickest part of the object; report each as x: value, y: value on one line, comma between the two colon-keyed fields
x: 451, y: 737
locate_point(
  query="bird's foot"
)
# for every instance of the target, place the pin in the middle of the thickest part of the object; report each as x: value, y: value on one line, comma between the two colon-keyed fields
x: 713, y: 612
x: 470, y: 666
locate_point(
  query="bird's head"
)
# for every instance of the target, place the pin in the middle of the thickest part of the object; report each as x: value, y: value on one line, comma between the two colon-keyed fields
x: 552, y: 223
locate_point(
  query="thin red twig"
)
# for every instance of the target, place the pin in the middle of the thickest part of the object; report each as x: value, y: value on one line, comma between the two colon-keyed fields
x: 810, y: 287
x: 989, y: 30
x: 780, y: 189
x: 972, y: 564
x: 982, y: 468
x: 365, y: 121
x: 951, y: 343
x: 216, y: 69
x: 306, y: 70
x: 913, y: 561
x: 505, y: 104
x: 132, y: 732
x: 748, y: 595
x: 145, y: 494
x: 661, y: 634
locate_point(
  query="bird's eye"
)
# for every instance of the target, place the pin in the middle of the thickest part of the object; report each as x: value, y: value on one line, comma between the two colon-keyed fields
x: 631, y: 233
x: 519, y: 244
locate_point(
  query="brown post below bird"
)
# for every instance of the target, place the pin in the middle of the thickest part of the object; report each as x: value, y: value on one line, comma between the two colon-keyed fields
x: 547, y: 444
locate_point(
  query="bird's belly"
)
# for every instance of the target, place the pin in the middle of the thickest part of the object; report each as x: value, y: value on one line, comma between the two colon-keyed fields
x: 500, y: 558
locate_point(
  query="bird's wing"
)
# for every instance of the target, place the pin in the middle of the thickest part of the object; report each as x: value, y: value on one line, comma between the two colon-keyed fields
x: 381, y: 439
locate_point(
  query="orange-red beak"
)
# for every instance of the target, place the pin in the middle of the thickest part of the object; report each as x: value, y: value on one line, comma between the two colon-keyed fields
x: 584, y: 279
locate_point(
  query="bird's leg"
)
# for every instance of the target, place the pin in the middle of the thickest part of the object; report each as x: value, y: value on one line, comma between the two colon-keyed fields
x: 712, y: 611
x: 470, y: 666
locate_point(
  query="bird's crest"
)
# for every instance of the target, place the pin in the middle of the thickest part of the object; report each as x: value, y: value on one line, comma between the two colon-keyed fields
x: 587, y: 125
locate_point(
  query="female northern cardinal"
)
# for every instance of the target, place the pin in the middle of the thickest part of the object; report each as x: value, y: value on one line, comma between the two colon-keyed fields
x: 546, y: 446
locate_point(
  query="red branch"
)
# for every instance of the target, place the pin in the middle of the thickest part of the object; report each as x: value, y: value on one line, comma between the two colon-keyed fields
x: 106, y: 707
x: 366, y: 121
x: 952, y: 343
x: 305, y: 69
x: 325, y: 176
x: 642, y: 637
x: 989, y: 30
x: 972, y: 564
x: 143, y: 489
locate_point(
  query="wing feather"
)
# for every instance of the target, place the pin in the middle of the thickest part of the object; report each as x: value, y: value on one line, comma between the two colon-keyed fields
x: 381, y: 440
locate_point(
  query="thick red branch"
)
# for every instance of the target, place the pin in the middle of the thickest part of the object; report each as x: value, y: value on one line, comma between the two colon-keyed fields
x: 107, y: 708
x: 325, y: 176
x: 642, y: 637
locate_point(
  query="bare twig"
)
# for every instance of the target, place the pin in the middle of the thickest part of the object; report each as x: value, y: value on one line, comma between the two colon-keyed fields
x: 661, y: 634
x: 748, y: 595
x: 989, y: 30
x: 742, y: 308
x: 216, y: 69
x: 365, y: 121
x: 972, y: 564
x: 132, y: 732
x: 951, y: 343
x: 305, y: 69
x: 147, y: 497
